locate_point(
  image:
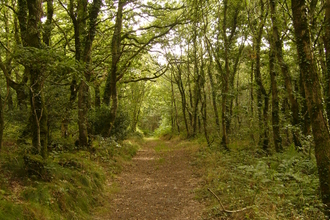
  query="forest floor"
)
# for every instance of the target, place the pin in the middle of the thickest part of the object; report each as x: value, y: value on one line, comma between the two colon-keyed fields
x: 159, y: 183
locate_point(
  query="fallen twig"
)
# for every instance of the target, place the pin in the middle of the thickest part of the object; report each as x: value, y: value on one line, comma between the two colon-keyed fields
x: 226, y: 210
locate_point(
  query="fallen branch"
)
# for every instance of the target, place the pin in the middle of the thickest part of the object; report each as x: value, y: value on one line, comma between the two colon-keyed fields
x: 222, y: 206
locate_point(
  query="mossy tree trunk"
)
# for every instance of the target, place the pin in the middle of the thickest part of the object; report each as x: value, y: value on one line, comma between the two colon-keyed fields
x: 110, y: 92
x: 313, y: 93
x: 178, y: 80
x: 1, y: 122
x: 327, y: 53
x: 294, y: 105
x: 261, y: 91
x: 84, y: 24
x: 275, y: 99
x: 29, y: 15
x: 83, y: 92
x: 213, y: 90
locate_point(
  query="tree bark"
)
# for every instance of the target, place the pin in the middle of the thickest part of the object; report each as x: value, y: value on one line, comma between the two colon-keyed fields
x: 97, y: 96
x: 1, y: 123
x: 286, y: 74
x: 88, y: 38
x: 327, y: 54
x: 261, y: 94
x: 214, y: 96
x: 175, y: 110
x: 179, y: 83
x: 275, y: 99
x: 110, y: 91
x: 313, y: 97
x: 29, y: 15
x: 48, y: 24
x: 261, y: 91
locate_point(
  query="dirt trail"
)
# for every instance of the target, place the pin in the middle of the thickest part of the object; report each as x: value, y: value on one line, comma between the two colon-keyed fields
x: 158, y: 184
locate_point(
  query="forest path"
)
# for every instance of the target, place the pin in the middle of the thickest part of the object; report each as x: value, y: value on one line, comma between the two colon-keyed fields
x: 159, y: 183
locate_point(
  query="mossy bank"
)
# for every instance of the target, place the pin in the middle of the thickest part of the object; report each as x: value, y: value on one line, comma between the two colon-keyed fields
x: 68, y: 185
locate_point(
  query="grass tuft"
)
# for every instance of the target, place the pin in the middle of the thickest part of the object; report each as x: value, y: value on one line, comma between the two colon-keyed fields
x: 68, y: 185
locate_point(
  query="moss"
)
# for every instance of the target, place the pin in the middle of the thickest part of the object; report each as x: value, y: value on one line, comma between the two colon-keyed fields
x: 35, y: 165
x: 65, y: 186
x: 10, y: 211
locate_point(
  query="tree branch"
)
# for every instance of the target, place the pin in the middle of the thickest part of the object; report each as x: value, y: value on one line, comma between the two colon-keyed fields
x: 149, y: 78
x: 223, y: 207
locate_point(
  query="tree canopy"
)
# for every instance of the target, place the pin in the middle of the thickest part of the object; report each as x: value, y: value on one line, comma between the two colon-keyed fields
x: 253, y: 70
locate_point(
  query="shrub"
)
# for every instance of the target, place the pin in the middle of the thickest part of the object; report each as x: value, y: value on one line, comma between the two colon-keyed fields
x: 99, y: 122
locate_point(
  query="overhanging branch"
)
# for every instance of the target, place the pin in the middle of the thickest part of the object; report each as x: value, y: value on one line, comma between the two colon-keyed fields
x: 156, y: 75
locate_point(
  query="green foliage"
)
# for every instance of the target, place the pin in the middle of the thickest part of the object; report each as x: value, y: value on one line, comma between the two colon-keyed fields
x: 137, y: 134
x: 281, y: 186
x: 164, y: 128
x: 68, y: 185
x: 99, y: 120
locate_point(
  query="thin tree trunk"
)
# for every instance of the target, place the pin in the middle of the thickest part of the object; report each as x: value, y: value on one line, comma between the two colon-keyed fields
x: 48, y: 24
x: 178, y: 80
x: 66, y: 119
x: 213, y: 91
x: 252, y: 100
x: 110, y: 92
x: 327, y: 54
x: 83, y: 92
x: 261, y: 92
x: 275, y: 100
x: 204, y: 101
x: 225, y: 89
x: 306, y: 127
x: 313, y: 97
x: 175, y: 110
x: 1, y: 123
x: 97, y: 96
x: 82, y: 114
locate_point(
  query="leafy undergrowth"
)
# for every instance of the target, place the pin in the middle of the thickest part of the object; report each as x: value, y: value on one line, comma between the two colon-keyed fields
x: 65, y: 186
x: 281, y: 186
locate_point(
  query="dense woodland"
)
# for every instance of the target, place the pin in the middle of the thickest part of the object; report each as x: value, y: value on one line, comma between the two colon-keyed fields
x: 254, y: 71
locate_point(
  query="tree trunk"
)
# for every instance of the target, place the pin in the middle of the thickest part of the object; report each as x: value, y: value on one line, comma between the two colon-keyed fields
x: 252, y: 101
x: 225, y: 89
x: 179, y: 83
x: 82, y: 114
x: 327, y: 53
x: 275, y: 100
x: 261, y: 94
x: 313, y: 97
x: 306, y: 127
x: 204, y: 102
x: 261, y: 91
x: 97, y: 96
x: 48, y: 24
x: 110, y: 91
x: 66, y: 119
x: 286, y: 74
x: 175, y: 110
x: 213, y: 93
x: 30, y: 33
x: 1, y: 122
x: 83, y: 91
